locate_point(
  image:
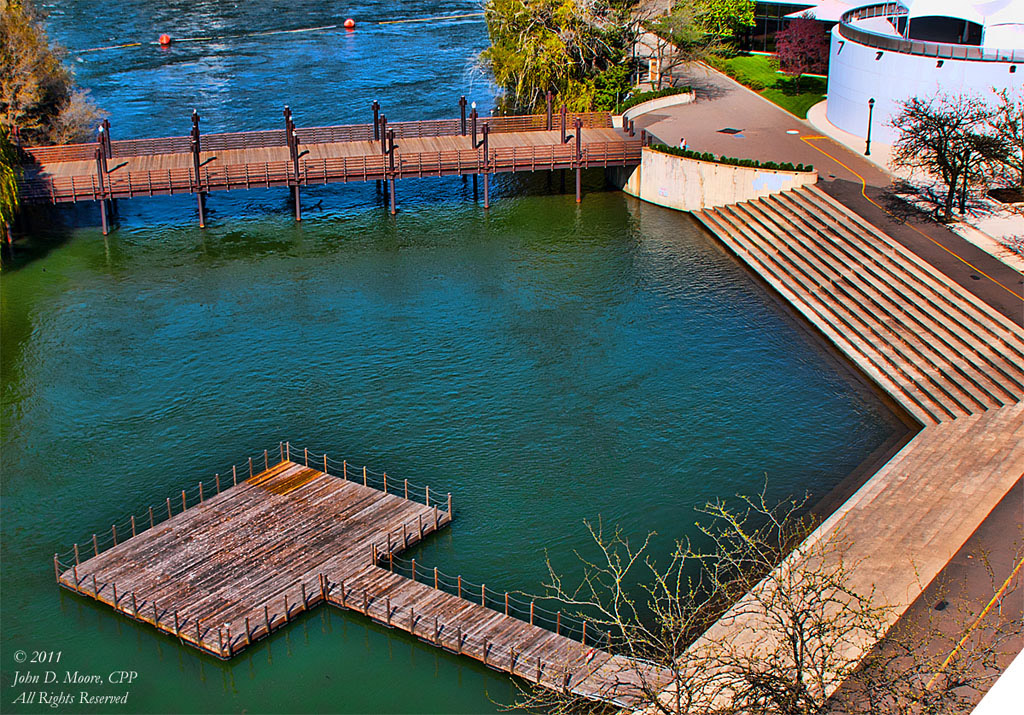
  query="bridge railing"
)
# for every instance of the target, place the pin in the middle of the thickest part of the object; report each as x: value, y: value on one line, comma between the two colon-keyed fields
x: 63, y: 152
x: 226, y: 141
x: 368, y: 167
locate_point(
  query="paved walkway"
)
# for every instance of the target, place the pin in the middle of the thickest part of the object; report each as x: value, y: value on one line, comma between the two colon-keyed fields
x: 723, y: 103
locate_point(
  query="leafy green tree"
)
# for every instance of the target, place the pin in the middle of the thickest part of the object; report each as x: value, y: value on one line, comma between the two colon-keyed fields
x: 723, y: 20
x: 38, y: 99
x: 9, y: 172
x: 556, y: 45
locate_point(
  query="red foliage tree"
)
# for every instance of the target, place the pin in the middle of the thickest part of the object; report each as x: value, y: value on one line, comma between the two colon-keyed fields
x: 802, y: 48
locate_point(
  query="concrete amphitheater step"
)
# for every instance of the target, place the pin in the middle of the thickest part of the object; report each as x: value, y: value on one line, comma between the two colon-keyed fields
x: 738, y: 238
x: 1003, y: 371
x: 777, y: 236
x: 997, y: 333
x: 895, y: 363
x: 970, y: 386
x: 991, y: 324
x: 790, y: 234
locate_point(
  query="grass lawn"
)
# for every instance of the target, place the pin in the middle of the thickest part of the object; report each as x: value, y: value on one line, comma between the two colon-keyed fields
x: 758, y: 72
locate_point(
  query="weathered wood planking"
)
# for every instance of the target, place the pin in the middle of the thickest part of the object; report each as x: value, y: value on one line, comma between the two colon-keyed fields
x: 244, y: 562
x: 165, y: 166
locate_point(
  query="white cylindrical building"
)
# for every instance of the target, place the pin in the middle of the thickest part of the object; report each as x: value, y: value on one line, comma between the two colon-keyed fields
x: 893, y: 51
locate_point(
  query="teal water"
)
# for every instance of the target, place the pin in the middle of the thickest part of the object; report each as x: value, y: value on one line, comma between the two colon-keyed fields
x: 545, y: 362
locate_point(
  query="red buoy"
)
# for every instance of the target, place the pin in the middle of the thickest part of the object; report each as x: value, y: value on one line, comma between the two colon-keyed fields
x: 165, y: 39
x: 350, y: 24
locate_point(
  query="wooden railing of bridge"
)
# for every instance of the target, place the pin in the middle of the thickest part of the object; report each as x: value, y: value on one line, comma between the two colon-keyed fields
x: 110, y: 169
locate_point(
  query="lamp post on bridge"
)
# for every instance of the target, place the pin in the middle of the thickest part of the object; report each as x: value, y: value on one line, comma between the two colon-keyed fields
x: 871, y: 113
x: 462, y: 113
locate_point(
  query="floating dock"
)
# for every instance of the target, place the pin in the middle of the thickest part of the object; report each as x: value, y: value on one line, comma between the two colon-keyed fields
x: 226, y: 565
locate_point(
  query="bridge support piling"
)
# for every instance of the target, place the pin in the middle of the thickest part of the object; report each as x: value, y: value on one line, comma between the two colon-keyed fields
x: 201, y: 200
x: 103, y: 216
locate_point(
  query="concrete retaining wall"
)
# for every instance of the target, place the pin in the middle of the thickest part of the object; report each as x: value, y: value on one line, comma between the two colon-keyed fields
x: 652, y: 105
x: 691, y: 185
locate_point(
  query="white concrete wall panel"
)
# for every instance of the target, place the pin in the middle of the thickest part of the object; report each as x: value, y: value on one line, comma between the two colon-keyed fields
x: 855, y: 76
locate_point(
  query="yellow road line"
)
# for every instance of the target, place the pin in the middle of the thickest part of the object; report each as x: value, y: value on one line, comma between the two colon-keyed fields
x: 863, y: 192
x: 999, y: 594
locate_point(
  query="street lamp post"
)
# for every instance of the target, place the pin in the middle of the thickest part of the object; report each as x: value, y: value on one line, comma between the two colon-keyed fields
x: 871, y: 113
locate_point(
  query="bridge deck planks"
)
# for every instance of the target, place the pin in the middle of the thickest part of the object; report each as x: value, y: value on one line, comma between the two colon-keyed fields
x: 242, y: 552
x: 352, y: 149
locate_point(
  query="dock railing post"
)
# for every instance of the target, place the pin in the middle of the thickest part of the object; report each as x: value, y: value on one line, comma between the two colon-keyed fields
x: 297, y: 176
x: 288, y: 451
x: 250, y: 467
x: 462, y: 113
x: 344, y: 470
x: 76, y: 545
x: 563, y: 124
x: 305, y: 456
x: 550, y: 124
x: 391, y: 164
x: 376, y: 118
x: 102, y: 193
x: 364, y: 475
x: 449, y: 506
x: 56, y: 569
x: 406, y: 484
x: 325, y: 462
x: 531, y: 613
x: 95, y: 546
x: 487, y: 176
x: 579, y: 159
x: 196, y: 148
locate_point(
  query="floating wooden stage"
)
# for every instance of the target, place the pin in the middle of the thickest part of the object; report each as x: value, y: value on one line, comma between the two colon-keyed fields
x: 253, y: 552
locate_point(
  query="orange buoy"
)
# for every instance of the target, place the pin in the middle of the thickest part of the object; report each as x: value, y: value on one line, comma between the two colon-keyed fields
x: 350, y: 24
x: 165, y: 39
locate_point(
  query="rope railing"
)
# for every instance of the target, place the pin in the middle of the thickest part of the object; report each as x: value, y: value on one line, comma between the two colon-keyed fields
x: 224, y: 640
x: 383, y: 553
x: 133, y: 524
x: 565, y: 674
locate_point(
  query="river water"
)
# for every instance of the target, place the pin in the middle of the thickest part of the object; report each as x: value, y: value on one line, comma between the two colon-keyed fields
x: 546, y: 362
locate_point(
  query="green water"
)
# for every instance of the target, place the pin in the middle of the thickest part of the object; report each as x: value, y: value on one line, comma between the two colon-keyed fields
x: 545, y: 362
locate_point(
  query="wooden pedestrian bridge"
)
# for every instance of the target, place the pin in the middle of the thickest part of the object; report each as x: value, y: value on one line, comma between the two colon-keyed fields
x: 236, y: 557
x: 295, y: 157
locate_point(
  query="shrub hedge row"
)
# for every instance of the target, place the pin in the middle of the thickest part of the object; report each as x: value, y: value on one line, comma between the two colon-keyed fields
x: 648, y: 96
x: 731, y: 161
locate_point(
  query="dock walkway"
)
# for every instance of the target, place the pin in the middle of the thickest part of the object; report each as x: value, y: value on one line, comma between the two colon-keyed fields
x: 243, y: 561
